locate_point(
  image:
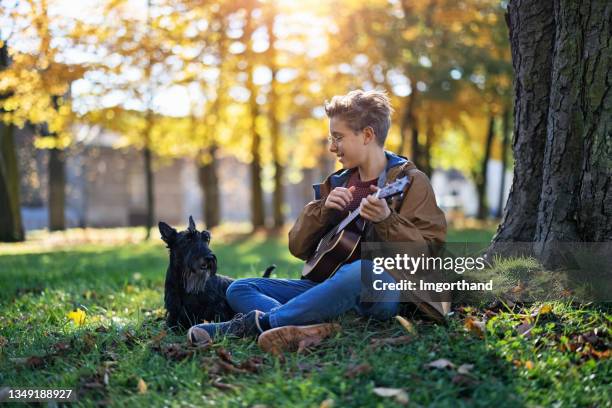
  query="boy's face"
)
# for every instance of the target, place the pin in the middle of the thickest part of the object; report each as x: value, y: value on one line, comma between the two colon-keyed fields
x: 347, y: 145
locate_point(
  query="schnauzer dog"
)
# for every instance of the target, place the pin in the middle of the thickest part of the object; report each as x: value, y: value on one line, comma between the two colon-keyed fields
x: 193, y: 290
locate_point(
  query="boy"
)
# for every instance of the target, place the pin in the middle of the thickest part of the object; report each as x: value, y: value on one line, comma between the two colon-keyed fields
x: 283, y: 312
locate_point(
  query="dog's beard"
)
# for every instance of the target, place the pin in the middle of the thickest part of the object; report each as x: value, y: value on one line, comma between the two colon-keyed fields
x: 194, y: 282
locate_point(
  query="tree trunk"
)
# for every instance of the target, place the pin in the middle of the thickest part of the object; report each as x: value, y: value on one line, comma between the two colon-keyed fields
x: 257, y: 205
x: 207, y: 175
x: 504, y: 161
x: 481, y: 178
x: 57, y: 189
x: 561, y: 55
x: 11, y: 227
x: 576, y: 199
x: 149, y: 187
x: 532, y: 32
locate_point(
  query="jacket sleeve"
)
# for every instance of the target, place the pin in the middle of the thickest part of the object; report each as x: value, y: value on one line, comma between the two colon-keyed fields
x: 419, y: 218
x: 312, y: 223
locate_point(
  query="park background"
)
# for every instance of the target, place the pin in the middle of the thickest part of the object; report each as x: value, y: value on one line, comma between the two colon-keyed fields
x: 118, y: 114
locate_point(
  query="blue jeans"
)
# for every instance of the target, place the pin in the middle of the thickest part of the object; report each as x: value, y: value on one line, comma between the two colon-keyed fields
x: 301, y: 301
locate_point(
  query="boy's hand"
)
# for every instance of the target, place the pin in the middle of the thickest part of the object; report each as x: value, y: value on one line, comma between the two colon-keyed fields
x: 339, y: 198
x: 374, y: 209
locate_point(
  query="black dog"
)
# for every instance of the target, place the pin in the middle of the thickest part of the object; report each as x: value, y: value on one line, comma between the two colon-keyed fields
x: 193, y: 291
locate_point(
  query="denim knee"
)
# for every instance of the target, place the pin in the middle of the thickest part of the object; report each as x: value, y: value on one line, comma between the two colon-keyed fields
x: 235, y: 287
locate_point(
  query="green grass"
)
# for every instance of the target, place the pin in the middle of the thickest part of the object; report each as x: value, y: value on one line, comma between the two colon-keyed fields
x: 120, y: 288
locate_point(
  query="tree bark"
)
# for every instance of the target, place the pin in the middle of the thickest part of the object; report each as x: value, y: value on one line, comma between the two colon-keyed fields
x: 576, y: 200
x: 11, y: 226
x: 57, y: 189
x: 207, y: 175
x: 561, y: 54
x: 150, y: 193
x: 504, y: 161
x: 531, y: 27
x: 257, y: 206
x: 481, y: 178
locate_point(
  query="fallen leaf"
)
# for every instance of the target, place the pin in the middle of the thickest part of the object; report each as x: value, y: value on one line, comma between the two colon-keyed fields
x: 3, y: 341
x: 477, y: 327
x: 252, y: 364
x: 29, y: 362
x: 142, y: 386
x: 357, y: 370
x: 440, y: 363
x: 390, y: 341
x: 230, y: 368
x: 465, y: 368
x: 101, y: 329
x: 222, y: 386
x: 524, y: 329
x: 327, y: 403
x: 61, y: 347
x: 398, y: 393
x: 542, y: 310
x: 77, y: 316
x: 224, y: 355
x: 529, y: 364
x: 156, y: 340
x: 464, y: 380
x: 518, y: 288
x: 406, y: 324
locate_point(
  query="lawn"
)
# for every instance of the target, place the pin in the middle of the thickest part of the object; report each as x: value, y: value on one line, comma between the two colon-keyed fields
x: 121, y: 354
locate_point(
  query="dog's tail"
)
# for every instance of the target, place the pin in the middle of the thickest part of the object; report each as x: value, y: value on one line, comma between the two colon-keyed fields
x: 269, y: 271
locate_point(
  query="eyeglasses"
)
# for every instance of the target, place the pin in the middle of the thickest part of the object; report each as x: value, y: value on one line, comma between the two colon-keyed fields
x: 334, y: 140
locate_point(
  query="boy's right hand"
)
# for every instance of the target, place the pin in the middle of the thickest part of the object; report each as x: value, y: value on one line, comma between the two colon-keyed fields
x: 339, y: 198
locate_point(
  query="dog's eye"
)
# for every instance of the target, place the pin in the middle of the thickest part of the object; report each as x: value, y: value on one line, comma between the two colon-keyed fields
x: 206, y: 236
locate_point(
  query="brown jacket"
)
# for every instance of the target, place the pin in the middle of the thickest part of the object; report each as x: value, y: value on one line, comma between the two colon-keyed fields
x: 414, y: 218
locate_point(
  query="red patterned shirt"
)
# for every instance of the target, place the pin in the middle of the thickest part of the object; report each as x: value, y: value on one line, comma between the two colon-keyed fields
x: 362, y: 189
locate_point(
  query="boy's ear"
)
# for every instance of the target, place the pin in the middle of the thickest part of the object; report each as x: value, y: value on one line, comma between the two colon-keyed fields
x: 167, y: 232
x: 369, y: 134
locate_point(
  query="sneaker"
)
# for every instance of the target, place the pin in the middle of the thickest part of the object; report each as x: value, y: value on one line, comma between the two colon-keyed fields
x: 242, y: 325
x: 288, y: 338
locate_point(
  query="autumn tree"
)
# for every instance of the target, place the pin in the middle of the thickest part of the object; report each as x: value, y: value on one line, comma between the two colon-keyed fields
x: 11, y: 226
x: 561, y: 190
x: 36, y: 86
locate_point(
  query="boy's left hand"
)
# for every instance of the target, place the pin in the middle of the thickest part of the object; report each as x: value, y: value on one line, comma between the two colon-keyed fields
x: 374, y: 209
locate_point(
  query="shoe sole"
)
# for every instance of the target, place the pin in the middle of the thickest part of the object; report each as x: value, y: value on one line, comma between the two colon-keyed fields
x: 193, y: 333
x: 288, y: 338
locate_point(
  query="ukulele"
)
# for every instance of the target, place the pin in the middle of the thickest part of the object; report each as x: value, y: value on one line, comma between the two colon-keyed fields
x: 339, y: 245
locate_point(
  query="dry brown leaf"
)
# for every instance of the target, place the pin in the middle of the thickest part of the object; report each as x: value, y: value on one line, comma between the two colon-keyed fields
x: 397, y: 393
x: 156, y: 340
x: 142, y: 386
x: 224, y: 355
x: 440, y: 363
x: 390, y: 341
x: 327, y: 403
x: 3, y: 341
x: 357, y: 370
x: 223, y: 386
x: 477, y: 327
x: 406, y: 324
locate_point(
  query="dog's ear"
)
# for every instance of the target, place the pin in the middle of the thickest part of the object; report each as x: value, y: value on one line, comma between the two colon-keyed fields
x: 192, y: 226
x: 213, y: 269
x: 168, y: 234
